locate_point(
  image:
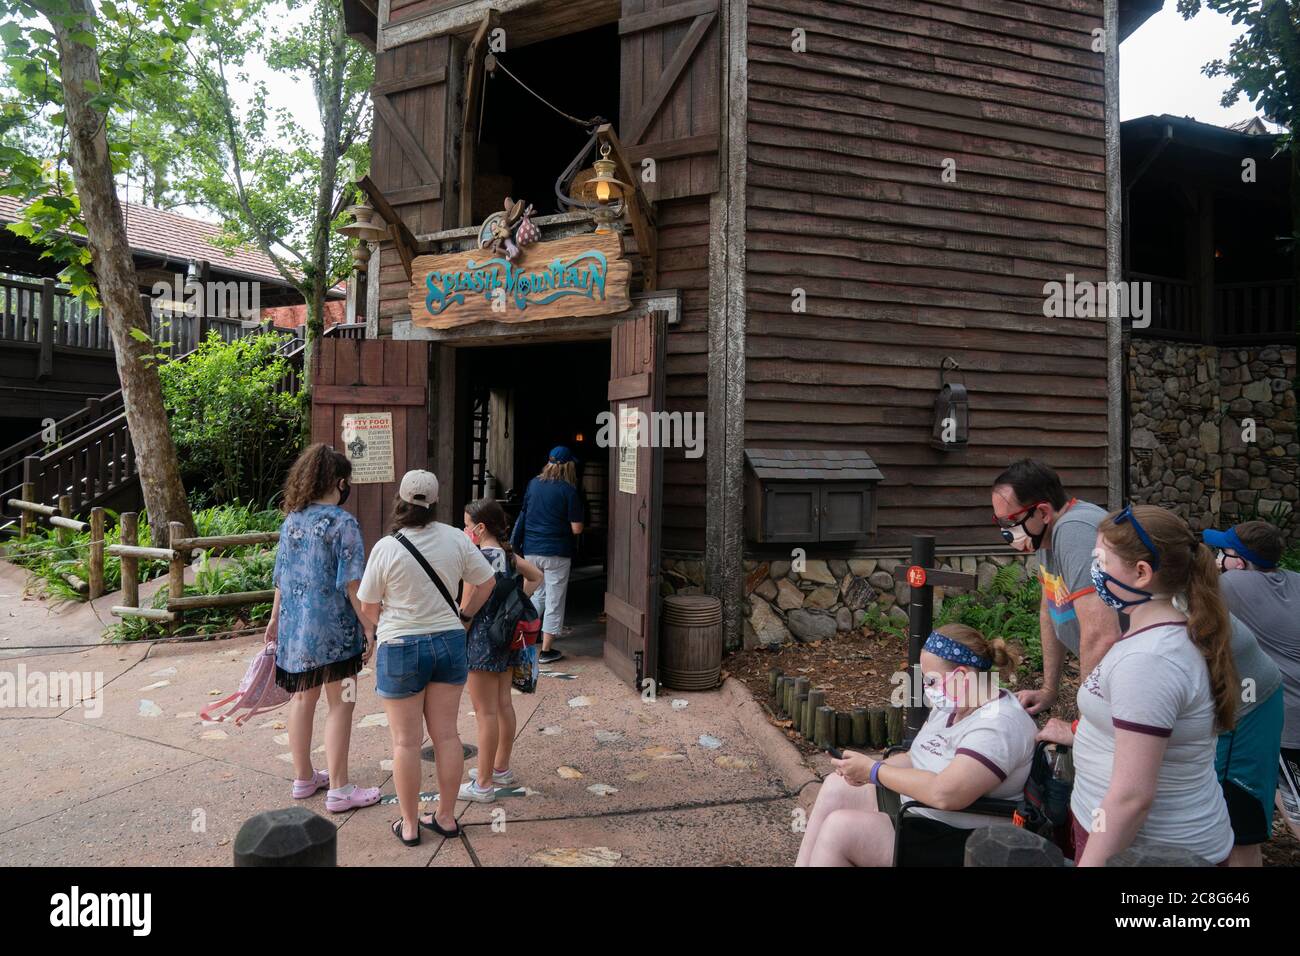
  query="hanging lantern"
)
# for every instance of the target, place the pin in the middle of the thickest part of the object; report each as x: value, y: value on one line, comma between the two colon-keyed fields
x: 951, y: 412
x: 605, y: 191
x: 365, y: 226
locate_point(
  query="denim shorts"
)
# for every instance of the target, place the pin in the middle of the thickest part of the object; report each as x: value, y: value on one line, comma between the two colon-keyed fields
x: 404, y: 665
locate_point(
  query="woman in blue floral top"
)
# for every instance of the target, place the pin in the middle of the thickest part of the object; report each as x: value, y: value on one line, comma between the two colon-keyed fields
x: 321, y: 640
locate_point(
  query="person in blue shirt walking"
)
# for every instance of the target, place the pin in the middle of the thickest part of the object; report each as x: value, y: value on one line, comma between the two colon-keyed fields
x: 552, y: 514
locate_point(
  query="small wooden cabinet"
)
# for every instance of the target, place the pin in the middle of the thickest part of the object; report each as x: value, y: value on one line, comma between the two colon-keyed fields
x: 805, y: 496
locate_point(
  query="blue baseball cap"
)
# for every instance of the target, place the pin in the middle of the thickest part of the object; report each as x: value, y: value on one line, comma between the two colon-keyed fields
x: 1228, y: 541
x: 560, y: 455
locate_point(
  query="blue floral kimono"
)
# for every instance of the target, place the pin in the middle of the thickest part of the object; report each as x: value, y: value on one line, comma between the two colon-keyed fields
x: 320, y: 639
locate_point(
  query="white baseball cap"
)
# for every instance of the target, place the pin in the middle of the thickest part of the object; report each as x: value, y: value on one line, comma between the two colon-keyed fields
x: 419, y: 487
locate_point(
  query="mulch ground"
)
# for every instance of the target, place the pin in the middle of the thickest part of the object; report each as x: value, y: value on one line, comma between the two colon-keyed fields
x: 854, y: 669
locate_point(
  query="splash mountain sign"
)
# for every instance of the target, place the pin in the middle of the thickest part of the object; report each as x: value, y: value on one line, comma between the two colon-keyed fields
x: 582, y: 275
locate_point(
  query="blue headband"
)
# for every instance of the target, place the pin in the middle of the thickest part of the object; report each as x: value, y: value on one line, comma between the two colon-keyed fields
x: 1128, y: 515
x: 955, y: 651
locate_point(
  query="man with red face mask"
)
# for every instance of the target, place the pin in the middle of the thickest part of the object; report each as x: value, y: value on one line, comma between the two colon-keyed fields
x: 1032, y: 511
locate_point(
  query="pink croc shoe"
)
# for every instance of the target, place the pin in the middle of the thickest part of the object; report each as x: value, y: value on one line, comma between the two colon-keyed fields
x: 302, y: 789
x: 359, y: 797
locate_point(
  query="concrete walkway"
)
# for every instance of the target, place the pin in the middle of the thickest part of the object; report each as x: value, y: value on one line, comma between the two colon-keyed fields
x: 131, y: 775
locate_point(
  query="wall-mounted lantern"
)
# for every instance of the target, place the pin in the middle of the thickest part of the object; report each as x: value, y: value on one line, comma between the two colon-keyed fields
x: 951, y: 411
x: 605, y: 191
x: 367, y: 227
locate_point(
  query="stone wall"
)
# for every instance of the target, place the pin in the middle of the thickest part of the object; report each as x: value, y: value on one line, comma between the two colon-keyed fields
x: 817, y: 598
x: 1213, y: 430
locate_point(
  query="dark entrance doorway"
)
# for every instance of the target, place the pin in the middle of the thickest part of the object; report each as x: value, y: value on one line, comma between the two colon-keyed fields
x: 519, y: 402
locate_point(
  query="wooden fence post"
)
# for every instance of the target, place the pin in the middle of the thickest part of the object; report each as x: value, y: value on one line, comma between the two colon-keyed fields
x: 127, y: 527
x: 45, y: 363
x: 176, y: 572
x: 65, y: 509
x: 96, y: 552
x: 25, y: 517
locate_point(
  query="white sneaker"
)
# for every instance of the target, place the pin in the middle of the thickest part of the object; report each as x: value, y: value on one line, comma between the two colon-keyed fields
x: 502, y: 778
x: 470, y: 792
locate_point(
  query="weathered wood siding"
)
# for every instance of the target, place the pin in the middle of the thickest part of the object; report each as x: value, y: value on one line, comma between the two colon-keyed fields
x: 846, y: 200
x: 684, y: 265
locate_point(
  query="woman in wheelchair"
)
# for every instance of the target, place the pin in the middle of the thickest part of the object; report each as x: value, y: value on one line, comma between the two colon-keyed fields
x: 977, y: 742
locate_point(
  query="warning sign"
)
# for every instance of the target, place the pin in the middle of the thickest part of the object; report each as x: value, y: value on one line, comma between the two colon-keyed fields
x: 368, y: 443
x: 628, y: 439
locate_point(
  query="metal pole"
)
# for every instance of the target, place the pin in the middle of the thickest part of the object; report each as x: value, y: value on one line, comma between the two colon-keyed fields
x: 920, y: 618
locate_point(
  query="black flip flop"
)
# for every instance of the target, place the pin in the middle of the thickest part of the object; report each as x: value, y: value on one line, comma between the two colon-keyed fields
x: 433, y: 825
x: 397, y: 832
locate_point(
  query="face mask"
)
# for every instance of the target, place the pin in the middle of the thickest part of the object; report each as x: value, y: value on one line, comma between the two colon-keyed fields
x: 1102, y: 582
x: 1230, y: 562
x: 936, y: 699
x: 344, y: 491
x: 1020, y: 537
x: 469, y: 533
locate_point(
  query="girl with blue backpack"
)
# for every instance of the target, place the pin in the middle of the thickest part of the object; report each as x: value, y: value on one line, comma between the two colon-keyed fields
x: 492, y: 658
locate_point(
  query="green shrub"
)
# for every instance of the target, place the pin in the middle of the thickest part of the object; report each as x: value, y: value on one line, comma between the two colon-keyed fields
x: 1291, y: 560
x: 48, y: 561
x: 1007, y: 608
x: 250, y: 571
x: 235, y: 434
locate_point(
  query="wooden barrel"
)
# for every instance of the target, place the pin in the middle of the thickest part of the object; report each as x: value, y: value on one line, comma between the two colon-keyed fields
x: 690, y: 645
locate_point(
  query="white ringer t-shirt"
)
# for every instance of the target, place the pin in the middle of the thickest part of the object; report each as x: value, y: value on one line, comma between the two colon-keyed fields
x: 1155, y: 681
x: 999, y: 734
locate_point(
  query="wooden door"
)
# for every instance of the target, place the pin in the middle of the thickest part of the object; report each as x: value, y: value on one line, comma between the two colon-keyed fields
x: 636, y: 384
x: 374, y: 375
x: 670, y: 84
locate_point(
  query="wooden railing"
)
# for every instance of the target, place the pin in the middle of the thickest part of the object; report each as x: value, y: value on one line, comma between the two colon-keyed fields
x: 1250, y: 312
x: 94, y: 459
x: 1175, y: 312
x: 1243, y: 313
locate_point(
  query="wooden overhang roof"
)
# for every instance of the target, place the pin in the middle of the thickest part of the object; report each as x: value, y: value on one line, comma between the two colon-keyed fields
x: 801, y: 464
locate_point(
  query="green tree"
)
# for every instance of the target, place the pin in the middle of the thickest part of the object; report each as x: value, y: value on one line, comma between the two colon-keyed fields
x: 277, y: 184
x: 82, y: 89
x: 1264, y: 65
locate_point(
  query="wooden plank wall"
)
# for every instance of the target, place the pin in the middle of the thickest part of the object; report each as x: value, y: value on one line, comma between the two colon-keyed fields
x: 358, y: 365
x: 846, y: 201
x: 684, y: 265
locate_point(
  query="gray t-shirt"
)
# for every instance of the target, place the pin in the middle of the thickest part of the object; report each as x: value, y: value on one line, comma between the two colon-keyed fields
x: 1252, y: 665
x: 1065, y: 567
x: 1268, y: 602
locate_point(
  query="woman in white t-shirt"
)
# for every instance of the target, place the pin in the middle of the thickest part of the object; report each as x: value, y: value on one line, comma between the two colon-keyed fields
x: 1150, y: 713
x: 978, y: 741
x: 420, y: 667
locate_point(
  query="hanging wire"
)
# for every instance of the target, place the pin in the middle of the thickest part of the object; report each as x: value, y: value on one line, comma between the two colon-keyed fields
x: 587, y: 124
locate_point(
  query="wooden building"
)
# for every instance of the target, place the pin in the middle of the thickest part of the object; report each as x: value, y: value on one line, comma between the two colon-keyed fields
x: 845, y: 195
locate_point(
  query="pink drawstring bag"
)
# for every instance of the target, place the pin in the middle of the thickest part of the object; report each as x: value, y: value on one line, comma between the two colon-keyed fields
x: 258, y: 692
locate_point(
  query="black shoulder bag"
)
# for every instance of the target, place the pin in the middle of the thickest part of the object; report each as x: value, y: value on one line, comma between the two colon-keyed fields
x: 428, y: 569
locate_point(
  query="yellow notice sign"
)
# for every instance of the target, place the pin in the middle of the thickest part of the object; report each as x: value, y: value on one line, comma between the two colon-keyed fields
x: 368, y: 443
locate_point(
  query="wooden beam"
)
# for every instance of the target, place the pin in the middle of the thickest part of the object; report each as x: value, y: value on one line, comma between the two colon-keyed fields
x: 657, y: 18
x: 402, y: 83
x: 469, y: 116
x: 401, y: 236
x: 639, y: 211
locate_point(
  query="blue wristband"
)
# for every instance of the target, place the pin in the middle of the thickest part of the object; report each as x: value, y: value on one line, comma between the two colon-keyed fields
x: 875, y: 772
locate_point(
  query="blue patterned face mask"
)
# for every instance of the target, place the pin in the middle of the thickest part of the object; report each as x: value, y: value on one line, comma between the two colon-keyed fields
x: 1102, y: 582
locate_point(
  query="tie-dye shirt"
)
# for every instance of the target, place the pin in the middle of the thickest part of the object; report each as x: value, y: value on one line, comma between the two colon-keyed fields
x: 1065, y: 567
